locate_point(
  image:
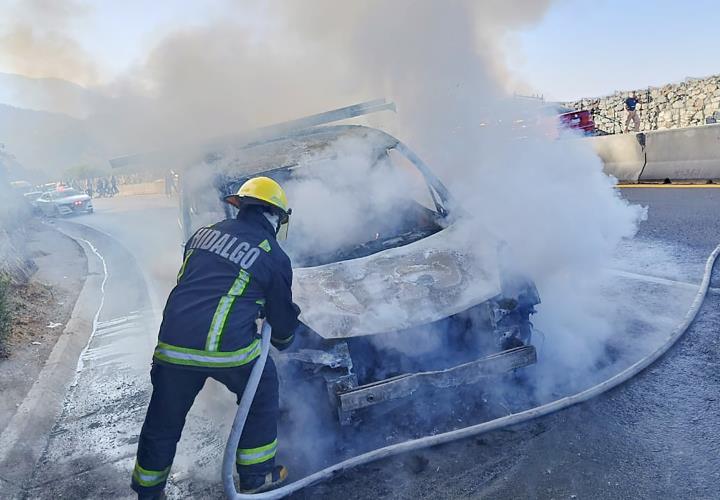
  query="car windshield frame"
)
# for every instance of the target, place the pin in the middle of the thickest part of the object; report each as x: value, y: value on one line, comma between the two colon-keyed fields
x: 230, y: 172
x: 227, y: 184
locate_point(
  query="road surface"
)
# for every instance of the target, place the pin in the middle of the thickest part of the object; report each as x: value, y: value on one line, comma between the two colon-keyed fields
x: 654, y: 437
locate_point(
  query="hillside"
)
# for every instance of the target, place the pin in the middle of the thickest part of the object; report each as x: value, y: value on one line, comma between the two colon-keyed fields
x: 47, y: 94
x: 46, y: 141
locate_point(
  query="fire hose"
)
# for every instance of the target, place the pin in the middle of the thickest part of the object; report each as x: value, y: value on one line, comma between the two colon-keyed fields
x: 446, y: 437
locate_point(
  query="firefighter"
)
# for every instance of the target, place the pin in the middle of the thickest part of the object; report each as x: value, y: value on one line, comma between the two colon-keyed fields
x: 233, y: 273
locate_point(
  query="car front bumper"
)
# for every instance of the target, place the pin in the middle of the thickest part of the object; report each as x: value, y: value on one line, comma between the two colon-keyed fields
x: 72, y: 208
x: 405, y: 385
x: 347, y: 396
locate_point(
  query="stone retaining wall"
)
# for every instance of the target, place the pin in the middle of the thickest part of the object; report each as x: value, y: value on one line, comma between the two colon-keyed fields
x: 696, y: 101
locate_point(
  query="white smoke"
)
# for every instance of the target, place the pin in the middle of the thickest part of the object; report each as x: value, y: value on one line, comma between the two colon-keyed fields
x: 543, y: 193
x: 347, y: 196
x: 563, y: 220
x: 442, y: 62
x: 443, y: 65
x: 36, y: 41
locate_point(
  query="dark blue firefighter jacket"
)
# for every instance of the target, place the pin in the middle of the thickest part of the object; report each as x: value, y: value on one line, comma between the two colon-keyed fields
x: 231, y: 271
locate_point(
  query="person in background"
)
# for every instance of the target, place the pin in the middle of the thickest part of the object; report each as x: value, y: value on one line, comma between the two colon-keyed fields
x: 632, y: 114
x: 100, y: 187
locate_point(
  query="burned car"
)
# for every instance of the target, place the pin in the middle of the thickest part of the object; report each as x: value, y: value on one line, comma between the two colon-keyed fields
x: 394, y: 297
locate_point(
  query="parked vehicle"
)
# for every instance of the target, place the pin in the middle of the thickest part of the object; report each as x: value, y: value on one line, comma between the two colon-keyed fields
x: 65, y: 202
x: 580, y: 120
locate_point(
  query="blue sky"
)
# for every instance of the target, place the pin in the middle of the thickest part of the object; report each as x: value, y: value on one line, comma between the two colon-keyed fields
x: 590, y: 48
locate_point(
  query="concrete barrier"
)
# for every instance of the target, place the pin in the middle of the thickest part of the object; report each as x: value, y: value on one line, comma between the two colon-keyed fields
x: 687, y: 154
x: 155, y: 187
x: 622, y: 155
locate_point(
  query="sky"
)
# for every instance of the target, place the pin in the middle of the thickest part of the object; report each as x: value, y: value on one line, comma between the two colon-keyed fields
x: 119, y: 33
x: 581, y: 48
x: 589, y: 48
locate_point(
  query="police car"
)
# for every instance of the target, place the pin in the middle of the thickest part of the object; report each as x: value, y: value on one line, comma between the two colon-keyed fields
x: 65, y: 201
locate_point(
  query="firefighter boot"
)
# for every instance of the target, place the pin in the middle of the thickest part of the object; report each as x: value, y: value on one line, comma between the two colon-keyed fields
x: 257, y: 483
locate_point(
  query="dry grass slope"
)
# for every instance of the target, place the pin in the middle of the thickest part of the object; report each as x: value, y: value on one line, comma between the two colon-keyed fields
x: 5, y: 315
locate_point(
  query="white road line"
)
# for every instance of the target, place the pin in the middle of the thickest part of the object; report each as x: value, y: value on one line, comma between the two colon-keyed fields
x: 156, y: 306
x: 96, y: 318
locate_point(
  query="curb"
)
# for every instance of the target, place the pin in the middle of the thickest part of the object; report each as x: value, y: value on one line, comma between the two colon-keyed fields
x: 25, y: 437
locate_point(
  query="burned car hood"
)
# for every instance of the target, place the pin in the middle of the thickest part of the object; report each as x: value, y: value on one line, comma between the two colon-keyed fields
x: 398, y: 288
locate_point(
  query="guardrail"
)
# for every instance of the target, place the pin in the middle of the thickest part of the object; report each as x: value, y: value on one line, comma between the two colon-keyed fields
x: 623, y: 156
x: 686, y: 154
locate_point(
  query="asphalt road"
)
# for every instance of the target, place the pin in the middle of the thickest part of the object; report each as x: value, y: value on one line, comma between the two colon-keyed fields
x: 91, y: 444
x: 655, y: 437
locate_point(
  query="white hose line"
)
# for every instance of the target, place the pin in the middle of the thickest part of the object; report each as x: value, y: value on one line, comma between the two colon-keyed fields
x: 241, y: 416
x: 473, y: 430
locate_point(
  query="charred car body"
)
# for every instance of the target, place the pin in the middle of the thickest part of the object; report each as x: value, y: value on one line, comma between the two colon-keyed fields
x: 398, y: 302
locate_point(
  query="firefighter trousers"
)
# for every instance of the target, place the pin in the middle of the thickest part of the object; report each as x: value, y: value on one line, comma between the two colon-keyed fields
x: 174, y: 390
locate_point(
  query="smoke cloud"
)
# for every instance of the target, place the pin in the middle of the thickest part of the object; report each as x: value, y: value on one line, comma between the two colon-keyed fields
x: 36, y: 41
x: 222, y: 77
x: 227, y: 75
x: 442, y: 62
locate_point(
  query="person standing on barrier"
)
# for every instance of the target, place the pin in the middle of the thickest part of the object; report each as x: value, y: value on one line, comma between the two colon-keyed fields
x: 233, y: 273
x: 632, y: 113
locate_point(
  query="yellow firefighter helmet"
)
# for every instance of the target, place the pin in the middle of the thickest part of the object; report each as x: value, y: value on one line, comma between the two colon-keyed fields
x: 263, y: 191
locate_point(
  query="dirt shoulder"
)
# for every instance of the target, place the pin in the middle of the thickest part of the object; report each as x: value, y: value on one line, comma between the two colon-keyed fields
x: 40, y: 310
